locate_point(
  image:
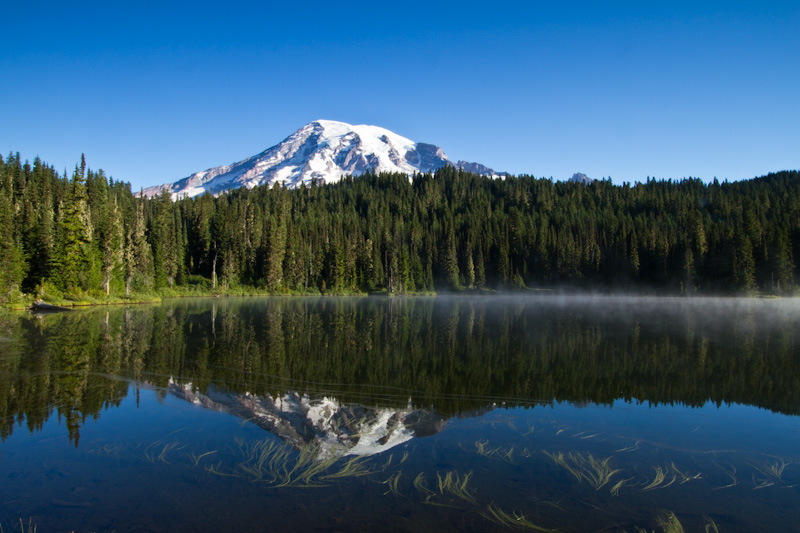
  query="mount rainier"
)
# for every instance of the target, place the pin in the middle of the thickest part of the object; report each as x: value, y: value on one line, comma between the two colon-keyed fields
x: 323, y: 150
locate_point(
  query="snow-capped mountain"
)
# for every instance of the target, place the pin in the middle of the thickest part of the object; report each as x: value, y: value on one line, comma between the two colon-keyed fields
x: 323, y: 150
x: 334, y: 428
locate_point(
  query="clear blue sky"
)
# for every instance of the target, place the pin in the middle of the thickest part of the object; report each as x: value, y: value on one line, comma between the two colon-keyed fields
x: 153, y: 92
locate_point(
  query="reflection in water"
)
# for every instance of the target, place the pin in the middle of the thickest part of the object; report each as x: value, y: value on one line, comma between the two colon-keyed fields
x: 540, y: 413
x: 457, y: 355
x: 325, y: 425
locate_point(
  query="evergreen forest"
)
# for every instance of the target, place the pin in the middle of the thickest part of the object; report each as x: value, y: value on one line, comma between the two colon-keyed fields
x: 86, y: 236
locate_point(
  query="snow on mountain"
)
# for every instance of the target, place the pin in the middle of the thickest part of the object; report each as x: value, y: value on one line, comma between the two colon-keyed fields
x: 334, y: 428
x: 323, y: 150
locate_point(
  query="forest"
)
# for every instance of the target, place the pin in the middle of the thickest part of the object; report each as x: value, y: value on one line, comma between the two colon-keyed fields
x: 89, y: 237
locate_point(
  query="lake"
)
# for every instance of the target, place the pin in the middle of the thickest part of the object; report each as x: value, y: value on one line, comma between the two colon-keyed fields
x: 468, y: 413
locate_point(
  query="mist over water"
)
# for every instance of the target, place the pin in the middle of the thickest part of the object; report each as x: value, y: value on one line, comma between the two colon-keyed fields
x: 567, y: 412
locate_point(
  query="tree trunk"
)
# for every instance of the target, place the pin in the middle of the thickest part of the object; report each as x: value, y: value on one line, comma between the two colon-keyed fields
x: 214, y: 272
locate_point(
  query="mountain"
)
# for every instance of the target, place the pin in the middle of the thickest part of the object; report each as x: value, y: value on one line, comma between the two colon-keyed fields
x: 323, y: 150
x: 580, y: 177
x: 332, y: 427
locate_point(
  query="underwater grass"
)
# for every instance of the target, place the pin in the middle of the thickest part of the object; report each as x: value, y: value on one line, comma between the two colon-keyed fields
x: 504, y: 454
x: 658, y: 480
x: 355, y: 467
x: 597, y: 473
x: 513, y: 519
x: 614, y: 490
x: 196, y: 458
x: 157, y: 451
x: 683, y: 477
x: 456, y: 486
x: 729, y: 473
x: 31, y: 526
x: 420, y: 485
x: 392, y: 484
x: 278, y: 465
x: 672, y: 472
x: 669, y: 523
x: 772, y: 472
x: 710, y: 526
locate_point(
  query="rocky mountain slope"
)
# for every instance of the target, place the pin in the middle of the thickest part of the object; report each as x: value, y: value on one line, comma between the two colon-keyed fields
x: 323, y: 150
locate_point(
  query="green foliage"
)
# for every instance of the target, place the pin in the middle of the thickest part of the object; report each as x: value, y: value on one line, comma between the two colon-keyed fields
x: 451, y: 230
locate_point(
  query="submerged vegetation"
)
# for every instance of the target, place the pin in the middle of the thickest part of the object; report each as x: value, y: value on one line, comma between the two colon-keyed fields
x: 507, y: 460
x: 31, y: 527
x: 546, y: 504
x: 87, y: 238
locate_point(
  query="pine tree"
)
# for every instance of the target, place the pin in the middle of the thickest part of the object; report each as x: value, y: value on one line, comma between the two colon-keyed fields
x: 111, y: 245
x: 138, y: 255
x: 744, y: 266
x: 11, y: 257
x: 74, y: 235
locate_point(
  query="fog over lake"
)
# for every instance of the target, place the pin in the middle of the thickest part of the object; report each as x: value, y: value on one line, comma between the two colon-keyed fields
x: 469, y: 413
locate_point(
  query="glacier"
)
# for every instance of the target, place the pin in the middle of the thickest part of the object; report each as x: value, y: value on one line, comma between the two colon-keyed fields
x: 322, y: 151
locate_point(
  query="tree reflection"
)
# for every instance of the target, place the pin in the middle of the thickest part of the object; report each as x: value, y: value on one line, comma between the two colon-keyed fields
x: 457, y: 355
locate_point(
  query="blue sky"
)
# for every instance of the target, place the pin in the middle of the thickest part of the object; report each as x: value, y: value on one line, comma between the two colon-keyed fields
x: 152, y: 93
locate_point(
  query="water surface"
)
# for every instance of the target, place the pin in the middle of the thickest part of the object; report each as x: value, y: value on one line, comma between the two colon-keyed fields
x: 423, y: 414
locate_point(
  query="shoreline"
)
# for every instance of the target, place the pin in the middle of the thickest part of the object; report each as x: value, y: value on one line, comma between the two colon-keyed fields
x: 68, y: 305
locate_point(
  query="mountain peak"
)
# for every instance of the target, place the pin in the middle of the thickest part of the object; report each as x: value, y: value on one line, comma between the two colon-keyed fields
x: 580, y: 177
x: 322, y: 150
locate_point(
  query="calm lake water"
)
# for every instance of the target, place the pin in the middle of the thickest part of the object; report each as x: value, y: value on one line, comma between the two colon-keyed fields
x: 421, y: 414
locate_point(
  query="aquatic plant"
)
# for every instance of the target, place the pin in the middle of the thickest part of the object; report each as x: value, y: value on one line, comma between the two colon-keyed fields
x: 669, y: 523
x: 596, y: 472
x: 421, y: 486
x: 630, y: 448
x: 661, y: 475
x: 196, y: 458
x: 731, y: 474
x: 392, y: 484
x: 157, y: 451
x: 513, y: 519
x: 658, y: 480
x: 504, y: 454
x: 618, y: 485
x: 560, y: 460
x: 355, y: 467
x: 31, y: 526
x: 508, y: 423
x: 682, y: 477
x: 452, y: 484
x: 277, y: 464
x: 710, y: 525
x: 773, y: 473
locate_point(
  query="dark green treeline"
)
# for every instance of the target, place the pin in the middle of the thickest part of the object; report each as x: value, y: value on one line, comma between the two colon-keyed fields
x: 457, y: 355
x: 385, y: 233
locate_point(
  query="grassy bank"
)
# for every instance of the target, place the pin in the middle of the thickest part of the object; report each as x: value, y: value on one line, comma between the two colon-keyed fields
x: 54, y: 297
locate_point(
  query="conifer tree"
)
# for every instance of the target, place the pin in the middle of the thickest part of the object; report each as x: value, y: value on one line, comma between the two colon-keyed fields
x: 74, y: 235
x: 138, y: 255
x: 112, y: 245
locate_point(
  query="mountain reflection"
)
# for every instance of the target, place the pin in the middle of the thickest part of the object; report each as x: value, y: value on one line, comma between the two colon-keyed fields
x: 448, y: 355
x: 325, y: 424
